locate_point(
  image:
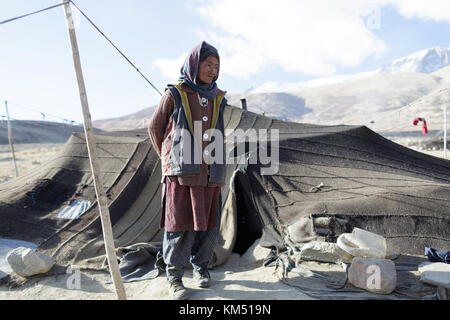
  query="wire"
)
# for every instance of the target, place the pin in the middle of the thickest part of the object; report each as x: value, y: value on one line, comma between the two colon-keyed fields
x: 36, y: 123
x: 44, y: 114
x: 32, y: 13
x: 95, y: 26
x: 115, y: 47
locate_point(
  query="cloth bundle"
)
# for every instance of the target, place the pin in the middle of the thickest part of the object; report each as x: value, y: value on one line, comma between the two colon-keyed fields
x: 437, y: 256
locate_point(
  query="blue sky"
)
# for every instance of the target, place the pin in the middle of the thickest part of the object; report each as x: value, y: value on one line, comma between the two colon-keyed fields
x: 259, y: 41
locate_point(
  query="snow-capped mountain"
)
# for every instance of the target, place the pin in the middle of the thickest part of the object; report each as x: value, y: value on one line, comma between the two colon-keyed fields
x: 273, y: 86
x: 385, y: 100
x: 424, y: 61
x: 283, y: 106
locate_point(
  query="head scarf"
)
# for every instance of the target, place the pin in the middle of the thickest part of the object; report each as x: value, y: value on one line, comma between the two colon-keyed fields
x: 189, y: 70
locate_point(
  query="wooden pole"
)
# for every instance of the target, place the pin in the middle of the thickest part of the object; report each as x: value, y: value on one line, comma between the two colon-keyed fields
x: 244, y: 103
x: 91, y: 145
x: 10, y: 140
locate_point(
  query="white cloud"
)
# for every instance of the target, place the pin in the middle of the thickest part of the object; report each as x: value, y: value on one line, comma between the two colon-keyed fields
x: 313, y: 37
x: 436, y: 10
x: 170, y: 68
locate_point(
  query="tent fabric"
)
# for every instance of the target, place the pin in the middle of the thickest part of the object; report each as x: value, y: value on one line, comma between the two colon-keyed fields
x: 141, y: 261
x: 367, y: 182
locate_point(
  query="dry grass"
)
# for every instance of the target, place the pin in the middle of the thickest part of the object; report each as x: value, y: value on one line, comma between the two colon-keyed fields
x: 28, y: 157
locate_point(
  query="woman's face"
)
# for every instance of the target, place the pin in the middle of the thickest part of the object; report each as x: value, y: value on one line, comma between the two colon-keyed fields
x: 208, y: 69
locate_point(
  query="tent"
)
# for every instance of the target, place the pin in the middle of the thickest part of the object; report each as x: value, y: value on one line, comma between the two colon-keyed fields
x: 348, y: 174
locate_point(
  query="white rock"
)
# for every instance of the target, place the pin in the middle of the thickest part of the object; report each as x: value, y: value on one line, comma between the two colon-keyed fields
x: 27, y: 262
x: 435, y: 273
x: 364, y: 244
x: 374, y: 275
x: 324, y: 252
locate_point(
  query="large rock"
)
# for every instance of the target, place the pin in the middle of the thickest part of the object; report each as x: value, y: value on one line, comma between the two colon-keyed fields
x: 374, y: 275
x: 324, y: 252
x: 435, y: 273
x: 27, y: 262
x: 363, y: 244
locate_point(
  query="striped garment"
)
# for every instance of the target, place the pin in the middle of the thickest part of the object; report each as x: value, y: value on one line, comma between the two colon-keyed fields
x: 189, y: 208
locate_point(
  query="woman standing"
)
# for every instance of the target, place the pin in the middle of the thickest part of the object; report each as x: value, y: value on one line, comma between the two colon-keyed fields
x: 191, y: 198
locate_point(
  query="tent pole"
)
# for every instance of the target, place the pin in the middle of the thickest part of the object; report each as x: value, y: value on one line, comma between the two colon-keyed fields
x: 244, y: 103
x: 91, y: 145
x: 10, y: 139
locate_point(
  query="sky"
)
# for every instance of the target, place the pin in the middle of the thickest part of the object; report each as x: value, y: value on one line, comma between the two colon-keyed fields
x: 258, y: 41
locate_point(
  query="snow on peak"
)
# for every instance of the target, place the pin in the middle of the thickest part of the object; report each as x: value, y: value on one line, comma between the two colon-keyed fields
x: 272, y: 86
x: 424, y: 61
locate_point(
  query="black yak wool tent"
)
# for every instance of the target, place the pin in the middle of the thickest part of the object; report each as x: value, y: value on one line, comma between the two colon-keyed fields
x: 349, y: 174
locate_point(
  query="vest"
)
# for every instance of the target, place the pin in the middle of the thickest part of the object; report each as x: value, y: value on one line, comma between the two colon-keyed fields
x: 183, y: 157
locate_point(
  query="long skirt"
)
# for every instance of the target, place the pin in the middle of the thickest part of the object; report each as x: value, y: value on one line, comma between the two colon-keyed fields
x: 187, y: 208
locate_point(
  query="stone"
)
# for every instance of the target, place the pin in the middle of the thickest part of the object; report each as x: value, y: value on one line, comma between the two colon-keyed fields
x: 363, y: 244
x: 302, y: 231
x: 374, y: 275
x: 324, y: 252
x: 435, y: 273
x: 27, y: 262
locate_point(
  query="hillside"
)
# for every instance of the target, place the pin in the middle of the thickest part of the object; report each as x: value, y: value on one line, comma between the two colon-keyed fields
x: 132, y: 121
x: 386, y: 100
x: 29, y: 131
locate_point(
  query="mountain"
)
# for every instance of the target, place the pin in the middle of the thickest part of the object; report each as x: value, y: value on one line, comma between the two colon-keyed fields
x: 132, y: 121
x: 278, y: 105
x: 30, y: 131
x: 382, y: 101
x: 385, y: 100
x: 272, y: 86
x: 424, y: 61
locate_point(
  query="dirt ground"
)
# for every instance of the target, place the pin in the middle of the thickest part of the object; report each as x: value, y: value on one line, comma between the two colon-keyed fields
x: 28, y: 157
x: 230, y: 281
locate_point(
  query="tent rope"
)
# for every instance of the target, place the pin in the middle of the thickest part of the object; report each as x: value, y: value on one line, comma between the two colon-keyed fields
x: 115, y: 47
x: 32, y: 13
x: 95, y: 26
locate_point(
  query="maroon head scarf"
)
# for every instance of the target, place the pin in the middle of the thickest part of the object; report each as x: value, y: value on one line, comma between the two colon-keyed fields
x: 190, y: 67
